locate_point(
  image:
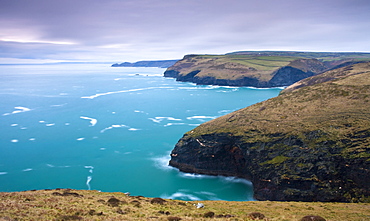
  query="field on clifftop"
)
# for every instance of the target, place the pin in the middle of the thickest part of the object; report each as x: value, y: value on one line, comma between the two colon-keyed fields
x: 66, y: 204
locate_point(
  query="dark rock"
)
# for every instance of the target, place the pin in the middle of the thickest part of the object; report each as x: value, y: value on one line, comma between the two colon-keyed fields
x: 209, y: 215
x: 312, y: 218
x: 114, y: 202
x: 158, y: 201
x: 256, y: 216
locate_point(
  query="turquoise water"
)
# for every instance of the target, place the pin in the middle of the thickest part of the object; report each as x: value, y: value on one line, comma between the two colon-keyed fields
x: 109, y: 129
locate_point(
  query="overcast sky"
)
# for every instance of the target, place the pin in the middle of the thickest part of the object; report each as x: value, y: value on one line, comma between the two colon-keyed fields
x: 132, y: 30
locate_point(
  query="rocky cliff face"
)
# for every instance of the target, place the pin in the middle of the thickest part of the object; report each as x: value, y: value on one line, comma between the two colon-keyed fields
x: 310, y: 143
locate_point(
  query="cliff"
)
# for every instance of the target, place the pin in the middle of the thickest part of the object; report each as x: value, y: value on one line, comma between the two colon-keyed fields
x: 311, y: 143
x: 159, y: 64
x: 257, y: 69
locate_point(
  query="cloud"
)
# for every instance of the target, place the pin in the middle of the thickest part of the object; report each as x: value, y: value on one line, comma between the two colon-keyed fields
x: 129, y: 30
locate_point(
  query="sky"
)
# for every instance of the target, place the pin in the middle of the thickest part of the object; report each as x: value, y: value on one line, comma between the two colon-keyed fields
x: 133, y: 30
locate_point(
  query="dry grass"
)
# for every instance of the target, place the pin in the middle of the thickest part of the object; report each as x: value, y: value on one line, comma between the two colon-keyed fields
x: 93, y: 205
x: 336, y: 108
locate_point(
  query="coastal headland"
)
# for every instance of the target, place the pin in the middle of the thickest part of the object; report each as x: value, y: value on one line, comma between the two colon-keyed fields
x: 260, y: 69
x: 311, y: 143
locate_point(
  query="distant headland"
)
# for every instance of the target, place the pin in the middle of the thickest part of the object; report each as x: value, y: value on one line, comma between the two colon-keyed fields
x: 158, y: 64
x: 261, y: 69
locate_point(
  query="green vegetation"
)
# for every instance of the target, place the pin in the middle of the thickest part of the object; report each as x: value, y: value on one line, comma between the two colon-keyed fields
x: 335, y: 108
x: 258, y: 69
x: 63, y: 204
x: 305, y: 144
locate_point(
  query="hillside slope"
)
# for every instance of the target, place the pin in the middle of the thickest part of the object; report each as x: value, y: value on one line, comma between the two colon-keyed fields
x: 308, y: 144
x: 257, y: 69
x: 67, y: 204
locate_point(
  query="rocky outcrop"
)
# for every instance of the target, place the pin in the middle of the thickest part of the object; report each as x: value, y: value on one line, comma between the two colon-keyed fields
x: 310, y: 143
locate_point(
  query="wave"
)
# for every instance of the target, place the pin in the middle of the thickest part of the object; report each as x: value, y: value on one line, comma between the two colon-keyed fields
x: 89, y: 178
x: 92, y: 120
x: 58, y: 105
x: 18, y: 110
x: 113, y: 126
x: 28, y: 169
x: 3, y: 173
x: 162, y: 162
x: 32, y: 139
x: 49, y: 125
x: 81, y: 138
x: 181, y: 196
x: 265, y: 88
x: 14, y: 125
x: 171, y: 124
x: 14, y: 141
x: 133, y: 129
x: 160, y: 119
x: 224, y: 179
x: 90, y: 167
x: 201, y: 118
x: 123, y: 91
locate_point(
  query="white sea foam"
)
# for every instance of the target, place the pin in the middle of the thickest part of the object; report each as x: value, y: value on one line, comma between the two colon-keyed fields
x: 102, y: 148
x: 14, y: 141
x: 182, y: 196
x: 3, y: 173
x: 14, y: 125
x: 236, y: 180
x: 195, y: 176
x: 50, y: 165
x: 171, y: 124
x: 18, y: 110
x: 160, y: 119
x: 67, y: 124
x: 133, y: 129
x: 58, y: 105
x: 32, y: 139
x: 23, y: 128
x: 123, y: 91
x: 41, y: 121
x: 201, y: 118
x: 28, y: 169
x: 89, y: 178
x: 90, y: 167
x: 49, y: 125
x: 113, y: 126
x: 81, y: 138
x: 224, y: 111
x: 92, y: 120
x: 162, y: 162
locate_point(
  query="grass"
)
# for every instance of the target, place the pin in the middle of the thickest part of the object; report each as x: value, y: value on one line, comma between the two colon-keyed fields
x: 232, y: 66
x: 327, y: 107
x: 94, y: 205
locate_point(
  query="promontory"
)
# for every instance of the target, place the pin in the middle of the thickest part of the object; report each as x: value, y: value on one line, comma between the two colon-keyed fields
x: 258, y: 68
x: 310, y: 143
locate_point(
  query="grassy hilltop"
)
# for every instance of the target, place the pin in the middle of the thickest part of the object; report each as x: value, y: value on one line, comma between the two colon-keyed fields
x: 310, y: 143
x: 63, y: 204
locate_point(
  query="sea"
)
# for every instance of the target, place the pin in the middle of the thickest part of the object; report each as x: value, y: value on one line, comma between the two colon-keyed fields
x: 94, y: 127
